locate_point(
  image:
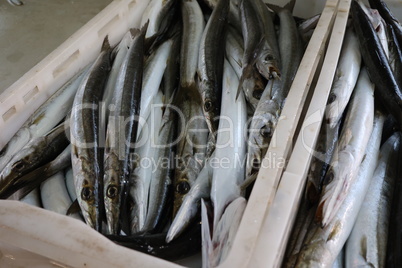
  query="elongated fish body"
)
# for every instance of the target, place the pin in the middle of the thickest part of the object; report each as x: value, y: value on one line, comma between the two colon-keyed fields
x: 191, y: 203
x: 326, y: 143
x: 210, y: 64
x: 153, y: 74
x: 122, y: 132
x: 268, y: 61
x: 350, y: 150
x: 121, y: 51
x: 161, y: 181
x: 262, y: 126
x: 33, y: 198
x: 345, y: 78
x: 171, y: 77
x: 233, y: 16
x: 377, y: 64
x: 70, y: 183
x: 234, y: 54
x: 36, y: 153
x: 323, y: 245
x: 54, y: 195
x: 367, y: 243
x: 225, y: 231
x: 191, y: 148
x: 86, y: 155
x: 383, y: 37
x: 230, y: 145
x: 45, y: 118
x: 193, y: 27
x: 145, y: 165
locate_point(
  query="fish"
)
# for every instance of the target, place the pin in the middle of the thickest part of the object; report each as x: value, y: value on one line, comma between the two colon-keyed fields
x: 190, y: 207
x: 68, y: 174
x: 230, y: 145
x: 225, y: 231
x: 54, y: 195
x: 373, y: 55
x: 161, y: 180
x: 338, y: 263
x: 33, y: 198
x: 322, y: 245
x: 210, y: 64
x: 119, y: 53
x: 36, y: 153
x: 326, y: 143
x: 233, y: 16
x: 350, y: 149
x: 269, y: 107
x: 192, y: 144
x: 27, y: 183
x: 234, y: 54
x: 44, y: 119
x: 193, y: 27
x: 268, y: 61
x: 143, y: 167
x: 367, y: 242
x: 152, y: 77
x: 86, y: 155
x: 345, y: 79
x: 122, y: 132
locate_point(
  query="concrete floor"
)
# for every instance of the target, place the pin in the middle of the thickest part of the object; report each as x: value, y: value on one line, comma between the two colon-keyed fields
x: 30, y: 32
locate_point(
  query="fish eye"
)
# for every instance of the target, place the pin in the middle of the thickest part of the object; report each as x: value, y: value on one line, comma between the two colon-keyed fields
x: 257, y: 94
x: 19, y: 165
x: 331, y: 98
x: 183, y: 187
x: 269, y: 58
x: 265, y: 131
x: 329, y: 178
x: 207, y: 105
x: 86, y: 193
x: 112, y: 191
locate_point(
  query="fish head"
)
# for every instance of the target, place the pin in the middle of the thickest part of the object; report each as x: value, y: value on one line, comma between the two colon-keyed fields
x: 181, y: 188
x: 211, y: 109
x: 86, y: 199
x: 112, y: 195
x: 23, y: 162
x: 267, y: 65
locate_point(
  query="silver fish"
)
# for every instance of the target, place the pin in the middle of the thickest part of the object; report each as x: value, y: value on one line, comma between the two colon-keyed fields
x: 345, y: 78
x: 350, y: 150
x: 323, y: 245
x: 85, y: 153
x: 367, y: 243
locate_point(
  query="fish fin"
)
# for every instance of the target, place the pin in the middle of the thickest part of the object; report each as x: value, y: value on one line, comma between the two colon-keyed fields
x: 290, y: 6
x: 105, y: 44
x: 134, y: 32
x: 144, y: 28
x: 74, y: 208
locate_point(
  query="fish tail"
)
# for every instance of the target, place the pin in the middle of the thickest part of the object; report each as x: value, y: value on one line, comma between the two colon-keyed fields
x: 105, y: 44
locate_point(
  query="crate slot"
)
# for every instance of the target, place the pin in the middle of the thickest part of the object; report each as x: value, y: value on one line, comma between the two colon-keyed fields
x: 28, y: 96
x: 65, y: 64
x: 10, y: 112
x: 108, y: 26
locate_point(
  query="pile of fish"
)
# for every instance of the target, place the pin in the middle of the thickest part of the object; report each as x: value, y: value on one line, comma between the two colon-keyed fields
x: 156, y: 143
x: 350, y: 215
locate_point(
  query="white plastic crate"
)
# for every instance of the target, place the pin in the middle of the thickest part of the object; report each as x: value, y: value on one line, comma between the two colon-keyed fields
x: 31, y: 236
